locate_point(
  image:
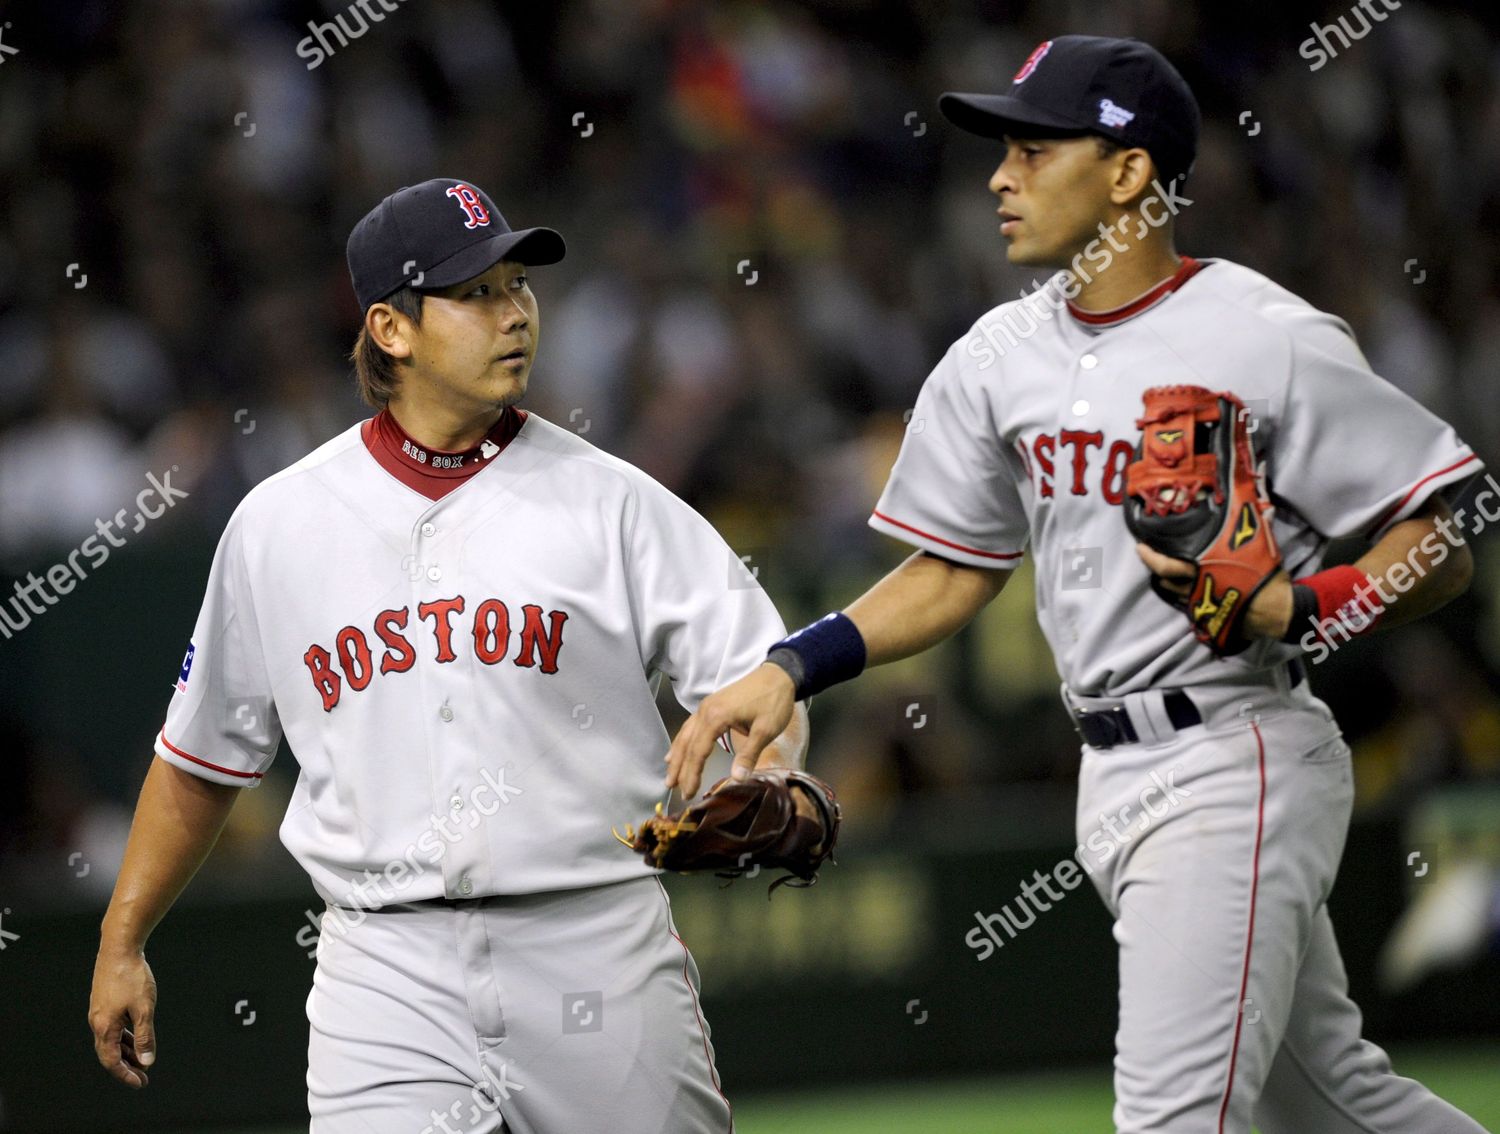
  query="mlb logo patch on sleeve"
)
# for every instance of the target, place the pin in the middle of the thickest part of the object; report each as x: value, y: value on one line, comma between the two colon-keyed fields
x: 187, y: 668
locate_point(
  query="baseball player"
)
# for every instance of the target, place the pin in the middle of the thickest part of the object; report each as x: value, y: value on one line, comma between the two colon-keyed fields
x: 458, y: 615
x: 1215, y: 789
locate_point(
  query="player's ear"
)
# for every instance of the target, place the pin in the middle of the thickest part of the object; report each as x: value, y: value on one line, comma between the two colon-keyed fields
x: 389, y: 329
x: 1130, y: 179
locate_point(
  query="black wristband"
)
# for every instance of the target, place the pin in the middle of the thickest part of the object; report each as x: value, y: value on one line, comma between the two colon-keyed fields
x: 822, y: 654
x: 791, y: 661
x: 1305, y: 610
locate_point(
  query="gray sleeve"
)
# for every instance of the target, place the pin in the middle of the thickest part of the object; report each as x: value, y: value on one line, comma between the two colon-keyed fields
x: 954, y: 488
x: 702, y: 617
x: 1351, y: 452
x: 221, y: 721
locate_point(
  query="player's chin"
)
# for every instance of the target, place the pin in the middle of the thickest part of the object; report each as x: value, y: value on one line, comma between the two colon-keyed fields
x: 1027, y: 254
x: 507, y: 385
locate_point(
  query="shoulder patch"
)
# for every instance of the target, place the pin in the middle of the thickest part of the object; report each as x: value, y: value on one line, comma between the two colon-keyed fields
x: 187, y: 668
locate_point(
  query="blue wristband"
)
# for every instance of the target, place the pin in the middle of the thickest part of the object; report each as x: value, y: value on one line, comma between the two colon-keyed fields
x: 823, y: 654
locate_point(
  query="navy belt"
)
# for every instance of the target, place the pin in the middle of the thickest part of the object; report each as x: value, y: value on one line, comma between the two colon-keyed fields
x: 1106, y: 728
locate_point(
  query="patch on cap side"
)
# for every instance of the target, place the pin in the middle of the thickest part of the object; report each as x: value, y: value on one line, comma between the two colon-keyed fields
x: 1113, y: 115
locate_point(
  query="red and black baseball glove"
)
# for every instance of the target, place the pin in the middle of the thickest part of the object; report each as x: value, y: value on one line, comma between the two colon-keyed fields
x: 1195, y: 493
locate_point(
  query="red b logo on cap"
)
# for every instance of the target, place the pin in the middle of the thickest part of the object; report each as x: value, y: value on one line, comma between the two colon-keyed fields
x: 1032, y: 60
x: 473, y: 207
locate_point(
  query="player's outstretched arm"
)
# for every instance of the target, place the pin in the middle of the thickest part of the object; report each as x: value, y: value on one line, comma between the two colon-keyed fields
x: 924, y: 601
x: 916, y: 606
x: 177, y: 821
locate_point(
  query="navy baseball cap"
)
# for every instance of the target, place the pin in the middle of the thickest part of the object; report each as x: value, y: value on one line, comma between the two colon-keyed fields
x: 437, y: 234
x: 1120, y: 89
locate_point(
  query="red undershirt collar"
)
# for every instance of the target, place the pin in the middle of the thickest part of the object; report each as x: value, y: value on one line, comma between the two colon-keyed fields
x: 434, y: 472
x: 1188, y: 268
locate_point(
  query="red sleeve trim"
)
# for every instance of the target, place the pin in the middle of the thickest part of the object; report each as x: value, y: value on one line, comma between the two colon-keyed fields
x: 206, y: 764
x: 948, y: 542
x: 1402, y: 503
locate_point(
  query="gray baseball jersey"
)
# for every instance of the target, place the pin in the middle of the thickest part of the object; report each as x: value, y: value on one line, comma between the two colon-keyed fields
x: 1213, y: 845
x: 468, y: 683
x: 1022, y: 434
x: 463, y: 652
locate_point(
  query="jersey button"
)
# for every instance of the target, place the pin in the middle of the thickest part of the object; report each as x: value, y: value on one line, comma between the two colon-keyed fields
x: 434, y: 573
x: 457, y: 803
x: 1080, y: 407
x: 446, y: 713
x: 428, y: 529
x: 1089, y: 361
x: 465, y: 887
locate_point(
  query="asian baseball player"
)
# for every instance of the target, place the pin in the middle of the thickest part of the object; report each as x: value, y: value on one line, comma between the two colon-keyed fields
x: 458, y: 614
x: 1233, y: 1004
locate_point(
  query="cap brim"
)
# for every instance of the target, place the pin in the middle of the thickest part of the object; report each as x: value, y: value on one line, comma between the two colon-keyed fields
x: 528, y: 246
x: 995, y: 116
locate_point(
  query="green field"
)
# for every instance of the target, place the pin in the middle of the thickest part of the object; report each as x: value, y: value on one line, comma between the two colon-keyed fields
x: 1072, y: 1103
x: 1075, y: 1103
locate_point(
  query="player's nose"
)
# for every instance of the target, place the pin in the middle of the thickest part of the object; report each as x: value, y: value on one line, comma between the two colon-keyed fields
x: 514, y: 317
x: 1001, y: 181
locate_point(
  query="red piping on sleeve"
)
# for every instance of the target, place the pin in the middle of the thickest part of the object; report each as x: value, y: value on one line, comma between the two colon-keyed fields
x: 1400, y: 504
x: 206, y: 764
x: 949, y: 542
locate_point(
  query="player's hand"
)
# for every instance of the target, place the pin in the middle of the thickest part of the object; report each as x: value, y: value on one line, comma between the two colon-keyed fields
x: 802, y: 802
x: 1176, y: 575
x: 122, y: 1015
x: 1270, y: 613
x: 760, y: 705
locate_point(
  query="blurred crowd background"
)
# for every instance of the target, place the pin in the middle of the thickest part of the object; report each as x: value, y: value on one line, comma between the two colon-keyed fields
x: 178, y: 185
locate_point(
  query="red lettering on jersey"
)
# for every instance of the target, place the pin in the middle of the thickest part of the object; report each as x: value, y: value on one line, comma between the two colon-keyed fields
x: 325, y: 680
x: 1044, y: 446
x: 541, y: 639
x: 399, y: 655
x: 1080, y: 440
x: 492, y: 630
x: 1121, y: 453
x: 533, y: 638
x: 354, y: 657
x: 442, y: 612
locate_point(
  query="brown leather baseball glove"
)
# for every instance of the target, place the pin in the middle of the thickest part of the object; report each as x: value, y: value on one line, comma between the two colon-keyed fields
x: 735, y: 828
x: 1194, y: 493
